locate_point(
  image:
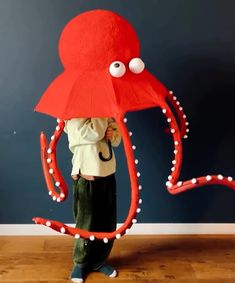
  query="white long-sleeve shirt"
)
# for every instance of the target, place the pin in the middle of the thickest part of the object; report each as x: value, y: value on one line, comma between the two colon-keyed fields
x: 86, y: 140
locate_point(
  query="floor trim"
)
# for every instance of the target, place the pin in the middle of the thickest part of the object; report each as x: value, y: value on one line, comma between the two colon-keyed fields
x: 137, y: 229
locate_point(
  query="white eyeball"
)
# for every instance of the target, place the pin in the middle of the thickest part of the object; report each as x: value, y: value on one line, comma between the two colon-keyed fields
x: 117, y: 69
x: 136, y: 65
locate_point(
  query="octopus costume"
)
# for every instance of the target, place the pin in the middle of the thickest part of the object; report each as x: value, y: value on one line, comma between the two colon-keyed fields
x: 104, y: 76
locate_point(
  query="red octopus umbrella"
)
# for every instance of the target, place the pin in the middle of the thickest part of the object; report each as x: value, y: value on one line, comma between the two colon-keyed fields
x: 105, y: 77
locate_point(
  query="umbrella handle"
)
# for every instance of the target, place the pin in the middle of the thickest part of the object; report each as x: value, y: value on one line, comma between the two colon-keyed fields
x: 110, y: 153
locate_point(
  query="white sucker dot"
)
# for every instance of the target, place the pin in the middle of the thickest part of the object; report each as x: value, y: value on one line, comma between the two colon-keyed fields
x: 58, y: 120
x: 52, y: 138
x: 185, y: 136
x: 62, y: 195
x: 118, y: 236
x: 173, y: 162
x: 168, y: 120
x: 170, y: 177
x: 130, y: 134
x: 57, y: 184
x: 194, y: 181
x: 50, y: 193
x: 92, y: 238
x: 138, y: 210
x: 164, y: 111
x: 171, y: 92
x: 48, y: 160
x: 54, y: 198
x: 184, y: 116
x: 133, y: 147
x: 169, y: 184
x: 181, y: 108
x: 179, y: 184
x: 125, y: 120
x: 174, y: 98
x: 173, y: 169
x: 58, y: 199
x: 62, y: 230
x: 51, y: 171
x: 138, y: 174
x: 136, y: 161
x: 175, y: 151
x: 57, y: 128
x: 48, y: 223
x: 187, y: 123
x: 140, y: 187
x: 49, y: 150
x: 172, y: 131
x: 77, y: 236
x: 127, y: 231
x: 134, y: 221
x: 140, y: 201
x: 177, y: 102
x: 176, y: 143
x: 208, y: 177
x: 220, y: 177
x: 187, y: 130
x: 105, y: 240
x: 230, y: 179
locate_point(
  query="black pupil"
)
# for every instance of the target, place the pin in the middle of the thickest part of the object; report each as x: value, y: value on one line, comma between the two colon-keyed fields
x: 116, y: 65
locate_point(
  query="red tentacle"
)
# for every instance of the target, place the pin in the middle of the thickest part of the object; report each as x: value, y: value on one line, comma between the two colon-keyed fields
x: 49, y: 164
x: 202, y: 181
x: 76, y: 232
x: 178, y: 150
x: 48, y: 179
x: 180, y: 113
x: 133, y: 174
x: 173, y: 185
x: 130, y: 220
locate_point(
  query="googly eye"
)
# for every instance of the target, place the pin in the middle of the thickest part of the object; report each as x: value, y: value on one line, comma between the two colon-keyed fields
x: 117, y: 69
x: 136, y: 65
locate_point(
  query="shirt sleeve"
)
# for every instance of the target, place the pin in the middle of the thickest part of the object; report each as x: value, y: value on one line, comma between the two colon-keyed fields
x: 83, y: 131
x: 93, y: 130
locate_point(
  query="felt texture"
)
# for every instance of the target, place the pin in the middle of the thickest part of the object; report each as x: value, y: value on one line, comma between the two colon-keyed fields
x: 88, y: 45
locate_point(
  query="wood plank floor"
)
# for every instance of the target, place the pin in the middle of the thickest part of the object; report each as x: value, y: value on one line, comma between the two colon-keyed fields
x: 168, y: 259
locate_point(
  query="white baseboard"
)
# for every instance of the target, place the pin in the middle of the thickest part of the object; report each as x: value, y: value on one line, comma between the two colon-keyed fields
x: 137, y: 229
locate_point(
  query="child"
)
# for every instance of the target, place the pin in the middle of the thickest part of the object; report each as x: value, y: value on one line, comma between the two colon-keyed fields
x: 94, y: 190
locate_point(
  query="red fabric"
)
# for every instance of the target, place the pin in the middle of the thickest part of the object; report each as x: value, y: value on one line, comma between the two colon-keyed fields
x: 88, y: 45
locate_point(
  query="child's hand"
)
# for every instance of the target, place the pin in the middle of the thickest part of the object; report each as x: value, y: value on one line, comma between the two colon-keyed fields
x: 109, y: 134
x: 75, y: 177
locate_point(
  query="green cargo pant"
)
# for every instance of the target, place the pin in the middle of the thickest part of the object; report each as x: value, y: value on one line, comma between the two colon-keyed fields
x: 94, y: 210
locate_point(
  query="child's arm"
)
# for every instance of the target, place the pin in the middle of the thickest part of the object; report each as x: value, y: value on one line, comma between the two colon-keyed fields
x: 93, y: 130
x: 85, y: 131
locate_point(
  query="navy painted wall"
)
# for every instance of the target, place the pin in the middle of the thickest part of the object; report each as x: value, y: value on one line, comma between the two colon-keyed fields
x: 188, y: 45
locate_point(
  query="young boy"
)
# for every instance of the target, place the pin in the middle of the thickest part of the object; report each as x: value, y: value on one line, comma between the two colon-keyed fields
x: 94, y: 190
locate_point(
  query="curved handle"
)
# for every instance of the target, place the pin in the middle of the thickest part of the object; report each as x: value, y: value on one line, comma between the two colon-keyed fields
x: 110, y: 153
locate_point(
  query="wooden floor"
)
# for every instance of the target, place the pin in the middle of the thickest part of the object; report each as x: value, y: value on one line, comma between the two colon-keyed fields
x: 169, y: 259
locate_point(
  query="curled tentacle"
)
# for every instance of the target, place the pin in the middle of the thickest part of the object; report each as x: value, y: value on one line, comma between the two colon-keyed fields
x: 135, y: 201
x: 49, y: 165
x: 173, y: 185
x: 180, y: 113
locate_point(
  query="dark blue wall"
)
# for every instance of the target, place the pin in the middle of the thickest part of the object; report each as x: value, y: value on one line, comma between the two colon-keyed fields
x: 188, y: 45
